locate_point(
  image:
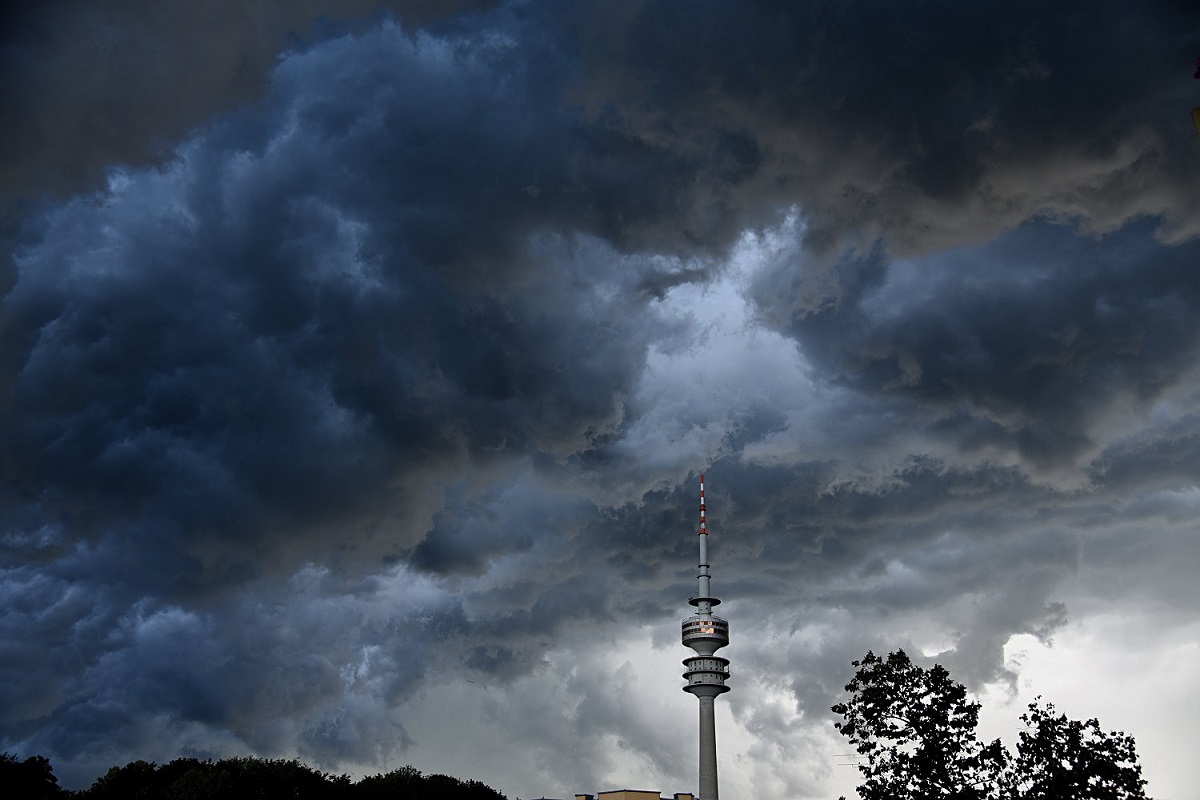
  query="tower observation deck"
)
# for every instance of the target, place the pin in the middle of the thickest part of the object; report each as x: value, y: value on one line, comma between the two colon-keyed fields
x: 706, y: 633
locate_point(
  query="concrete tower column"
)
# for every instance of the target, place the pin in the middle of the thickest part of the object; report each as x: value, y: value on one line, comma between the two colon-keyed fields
x: 706, y: 633
x: 708, y: 749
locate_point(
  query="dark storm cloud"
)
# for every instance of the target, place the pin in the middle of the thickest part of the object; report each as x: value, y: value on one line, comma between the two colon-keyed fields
x: 306, y: 305
x: 90, y: 85
x: 321, y: 672
x: 313, y: 316
x: 1023, y: 344
x: 928, y: 124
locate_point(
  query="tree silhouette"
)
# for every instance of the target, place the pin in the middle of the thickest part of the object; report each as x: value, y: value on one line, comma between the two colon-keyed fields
x: 399, y: 783
x: 237, y: 779
x: 233, y: 778
x: 32, y: 778
x: 1064, y: 758
x: 137, y: 780
x: 408, y: 783
x: 915, y: 730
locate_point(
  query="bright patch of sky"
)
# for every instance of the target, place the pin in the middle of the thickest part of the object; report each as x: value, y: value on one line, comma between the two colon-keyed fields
x: 1090, y: 670
x: 692, y: 400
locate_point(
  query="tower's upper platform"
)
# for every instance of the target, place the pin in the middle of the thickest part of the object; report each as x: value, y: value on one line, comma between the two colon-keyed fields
x: 706, y: 632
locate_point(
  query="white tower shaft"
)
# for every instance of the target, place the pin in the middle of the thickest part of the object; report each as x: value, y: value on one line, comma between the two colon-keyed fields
x: 708, y: 749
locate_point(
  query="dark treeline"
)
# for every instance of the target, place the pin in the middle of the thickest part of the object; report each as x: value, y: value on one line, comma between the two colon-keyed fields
x: 233, y: 778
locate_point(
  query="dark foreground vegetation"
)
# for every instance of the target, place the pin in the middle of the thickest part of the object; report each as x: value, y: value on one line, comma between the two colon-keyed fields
x: 914, y: 732
x: 232, y: 778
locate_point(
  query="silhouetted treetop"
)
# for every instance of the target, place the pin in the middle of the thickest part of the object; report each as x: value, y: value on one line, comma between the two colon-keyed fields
x: 233, y: 779
x: 914, y: 729
x: 32, y: 778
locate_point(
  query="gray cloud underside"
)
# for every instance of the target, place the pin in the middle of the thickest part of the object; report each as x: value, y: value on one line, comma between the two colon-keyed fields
x: 331, y: 376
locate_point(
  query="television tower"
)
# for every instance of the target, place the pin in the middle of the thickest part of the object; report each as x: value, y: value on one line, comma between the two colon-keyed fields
x: 706, y: 633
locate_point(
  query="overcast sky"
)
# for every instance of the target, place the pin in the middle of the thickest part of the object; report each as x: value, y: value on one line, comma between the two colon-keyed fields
x: 358, y: 361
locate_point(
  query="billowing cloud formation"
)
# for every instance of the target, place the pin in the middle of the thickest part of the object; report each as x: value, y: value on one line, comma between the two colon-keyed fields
x: 931, y: 126
x: 1027, y: 343
x: 94, y: 85
x: 353, y: 398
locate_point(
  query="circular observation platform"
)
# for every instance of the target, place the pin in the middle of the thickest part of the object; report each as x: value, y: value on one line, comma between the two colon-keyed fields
x: 705, y: 633
x: 706, y: 675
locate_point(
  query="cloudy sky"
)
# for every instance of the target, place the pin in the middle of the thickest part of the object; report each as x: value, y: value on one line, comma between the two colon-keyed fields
x: 358, y: 361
